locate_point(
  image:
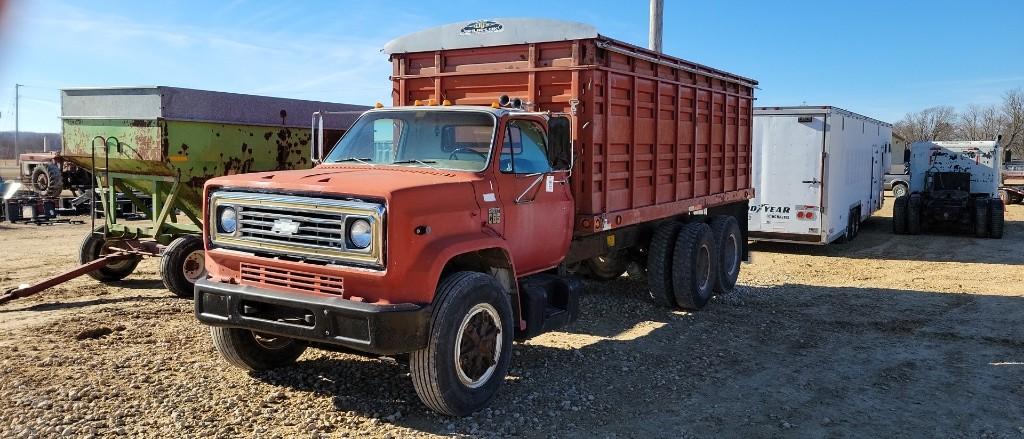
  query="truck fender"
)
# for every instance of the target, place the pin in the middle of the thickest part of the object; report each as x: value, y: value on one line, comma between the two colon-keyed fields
x: 483, y: 253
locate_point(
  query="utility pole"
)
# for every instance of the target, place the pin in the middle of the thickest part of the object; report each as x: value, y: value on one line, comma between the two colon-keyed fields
x: 657, y: 19
x: 17, y: 97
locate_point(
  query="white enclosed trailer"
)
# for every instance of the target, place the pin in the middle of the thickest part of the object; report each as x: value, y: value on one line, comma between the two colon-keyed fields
x: 817, y: 173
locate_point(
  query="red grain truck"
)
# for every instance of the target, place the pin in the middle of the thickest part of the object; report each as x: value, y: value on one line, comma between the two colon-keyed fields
x: 518, y: 152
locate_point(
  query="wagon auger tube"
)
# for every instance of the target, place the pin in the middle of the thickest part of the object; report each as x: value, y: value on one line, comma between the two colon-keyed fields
x: 26, y: 290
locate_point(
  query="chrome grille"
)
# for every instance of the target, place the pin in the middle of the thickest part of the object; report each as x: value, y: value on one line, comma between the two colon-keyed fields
x: 313, y: 228
x: 298, y: 226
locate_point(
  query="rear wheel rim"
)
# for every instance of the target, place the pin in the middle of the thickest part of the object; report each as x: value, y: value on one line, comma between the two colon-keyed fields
x: 106, y: 248
x: 478, y: 345
x: 194, y: 266
x: 731, y: 254
x: 703, y: 268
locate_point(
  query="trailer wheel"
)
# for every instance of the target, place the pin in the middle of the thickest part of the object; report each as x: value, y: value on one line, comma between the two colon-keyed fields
x: 695, y: 261
x: 468, y: 352
x: 899, y: 215
x: 726, y: 233
x: 659, y: 263
x: 981, y: 214
x: 46, y: 180
x: 996, y: 218
x: 255, y: 351
x: 606, y: 267
x: 182, y: 264
x: 914, y: 215
x: 95, y: 245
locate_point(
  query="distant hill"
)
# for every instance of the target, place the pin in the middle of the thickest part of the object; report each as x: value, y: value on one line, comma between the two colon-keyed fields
x: 27, y: 142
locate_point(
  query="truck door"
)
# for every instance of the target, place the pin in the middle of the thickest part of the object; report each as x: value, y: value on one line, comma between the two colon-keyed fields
x: 536, y: 201
x: 790, y: 180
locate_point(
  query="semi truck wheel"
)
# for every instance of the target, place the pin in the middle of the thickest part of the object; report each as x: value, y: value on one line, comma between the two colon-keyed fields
x: 182, y: 264
x: 695, y: 263
x: 95, y: 245
x: 47, y: 180
x: 606, y: 267
x: 255, y: 351
x: 468, y: 352
x: 981, y: 215
x: 996, y: 218
x: 659, y: 263
x: 899, y: 215
x: 914, y: 215
x: 726, y: 232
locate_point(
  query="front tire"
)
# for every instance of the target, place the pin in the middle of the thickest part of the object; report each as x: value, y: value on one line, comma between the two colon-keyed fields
x: 914, y: 215
x: 899, y: 215
x: 899, y: 190
x: 182, y: 264
x: 255, y: 351
x: 96, y: 245
x: 996, y: 219
x: 468, y: 352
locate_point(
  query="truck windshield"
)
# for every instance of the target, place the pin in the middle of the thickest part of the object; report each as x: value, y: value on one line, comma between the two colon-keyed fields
x: 458, y: 140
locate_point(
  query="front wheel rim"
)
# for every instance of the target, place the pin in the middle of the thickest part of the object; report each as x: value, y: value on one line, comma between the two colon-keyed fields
x: 478, y: 345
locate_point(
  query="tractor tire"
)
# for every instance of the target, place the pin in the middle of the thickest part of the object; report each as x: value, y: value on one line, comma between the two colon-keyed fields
x: 47, y: 180
x: 182, y: 264
x: 659, y: 263
x: 899, y: 190
x: 914, y: 215
x: 996, y: 212
x: 254, y: 351
x: 606, y: 267
x: 695, y: 259
x: 95, y: 245
x: 469, y: 347
x: 899, y: 215
x: 981, y: 218
x: 726, y: 232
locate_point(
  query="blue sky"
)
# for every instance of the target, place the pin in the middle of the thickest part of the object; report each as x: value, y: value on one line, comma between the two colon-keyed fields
x: 879, y: 58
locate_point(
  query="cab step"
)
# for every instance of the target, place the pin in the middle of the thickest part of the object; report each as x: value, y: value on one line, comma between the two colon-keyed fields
x: 548, y: 302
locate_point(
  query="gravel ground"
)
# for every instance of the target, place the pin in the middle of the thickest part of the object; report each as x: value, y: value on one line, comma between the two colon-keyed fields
x: 886, y: 336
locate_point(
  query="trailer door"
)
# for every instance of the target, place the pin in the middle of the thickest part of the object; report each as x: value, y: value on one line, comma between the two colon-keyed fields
x: 790, y: 152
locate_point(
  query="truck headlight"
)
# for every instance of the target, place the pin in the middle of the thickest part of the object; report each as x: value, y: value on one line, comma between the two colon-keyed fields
x: 227, y: 221
x: 360, y: 233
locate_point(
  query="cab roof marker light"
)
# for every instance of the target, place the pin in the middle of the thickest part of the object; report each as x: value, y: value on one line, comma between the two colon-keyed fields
x: 378, y: 105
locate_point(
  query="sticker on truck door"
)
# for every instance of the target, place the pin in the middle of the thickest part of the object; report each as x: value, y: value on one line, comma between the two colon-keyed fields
x: 549, y: 183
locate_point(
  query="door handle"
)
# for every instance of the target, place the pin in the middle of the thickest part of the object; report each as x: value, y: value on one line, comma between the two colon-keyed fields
x: 815, y: 181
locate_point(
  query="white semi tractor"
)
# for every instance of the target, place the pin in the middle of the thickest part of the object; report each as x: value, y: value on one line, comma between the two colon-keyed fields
x: 817, y: 173
x: 953, y: 186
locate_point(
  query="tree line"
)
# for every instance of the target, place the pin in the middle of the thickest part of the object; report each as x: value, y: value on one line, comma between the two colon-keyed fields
x: 976, y: 122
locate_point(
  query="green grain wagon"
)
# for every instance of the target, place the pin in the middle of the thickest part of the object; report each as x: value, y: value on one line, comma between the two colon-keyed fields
x: 166, y: 142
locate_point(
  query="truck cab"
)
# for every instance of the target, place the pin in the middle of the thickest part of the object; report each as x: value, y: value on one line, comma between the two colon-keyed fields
x: 352, y: 252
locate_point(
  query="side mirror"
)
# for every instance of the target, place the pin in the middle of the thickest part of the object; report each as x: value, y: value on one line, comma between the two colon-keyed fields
x: 559, y: 145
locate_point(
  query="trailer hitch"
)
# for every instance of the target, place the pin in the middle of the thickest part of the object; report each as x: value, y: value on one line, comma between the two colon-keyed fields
x: 25, y: 290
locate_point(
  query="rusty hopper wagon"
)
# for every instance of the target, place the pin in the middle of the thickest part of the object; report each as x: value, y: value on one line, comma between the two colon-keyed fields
x: 166, y: 142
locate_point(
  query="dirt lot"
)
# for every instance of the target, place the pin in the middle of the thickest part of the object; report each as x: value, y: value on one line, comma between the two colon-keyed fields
x: 887, y: 336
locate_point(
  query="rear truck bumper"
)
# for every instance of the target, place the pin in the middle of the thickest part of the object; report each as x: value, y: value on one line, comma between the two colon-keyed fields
x: 366, y: 327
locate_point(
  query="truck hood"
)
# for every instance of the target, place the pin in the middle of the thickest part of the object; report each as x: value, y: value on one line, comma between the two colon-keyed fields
x: 357, y: 180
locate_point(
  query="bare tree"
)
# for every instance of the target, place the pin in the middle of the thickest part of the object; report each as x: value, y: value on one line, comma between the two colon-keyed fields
x: 935, y: 123
x: 1012, y: 111
x: 980, y: 122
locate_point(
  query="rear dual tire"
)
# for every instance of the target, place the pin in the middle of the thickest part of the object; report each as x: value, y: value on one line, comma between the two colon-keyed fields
x: 688, y: 263
x: 695, y: 258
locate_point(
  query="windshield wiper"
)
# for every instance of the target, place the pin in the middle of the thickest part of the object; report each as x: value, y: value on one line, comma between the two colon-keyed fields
x: 420, y: 162
x: 364, y: 160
